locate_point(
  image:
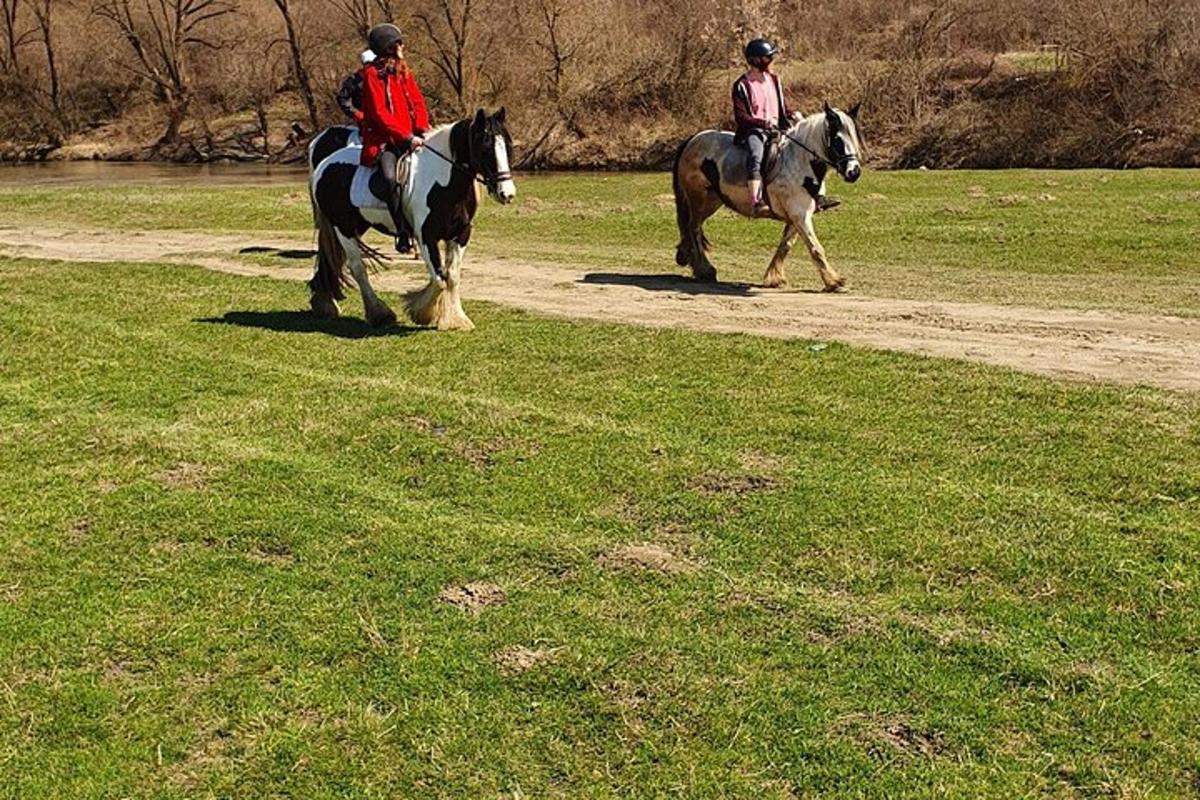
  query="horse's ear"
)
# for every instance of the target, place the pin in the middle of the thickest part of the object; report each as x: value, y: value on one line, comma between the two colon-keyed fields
x: 831, y: 118
x: 853, y: 112
x: 501, y: 114
x: 480, y: 117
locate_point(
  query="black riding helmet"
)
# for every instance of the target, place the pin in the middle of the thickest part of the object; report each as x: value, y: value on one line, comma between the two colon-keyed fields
x: 384, y: 37
x: 760, y: 48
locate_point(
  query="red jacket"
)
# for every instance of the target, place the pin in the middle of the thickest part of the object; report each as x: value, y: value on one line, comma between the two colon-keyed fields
x: 393, y: 111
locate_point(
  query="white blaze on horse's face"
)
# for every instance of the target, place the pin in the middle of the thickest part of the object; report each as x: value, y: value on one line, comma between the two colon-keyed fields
x: 506, y: 189
x: 845, y: 149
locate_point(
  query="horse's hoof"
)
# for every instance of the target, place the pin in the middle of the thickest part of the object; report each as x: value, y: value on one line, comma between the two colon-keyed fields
x: 836, y: 288
x: 774, y: 283
x: 705, y: 275
x: 324, y: 306
x: 462, y: 323
x: 382, y: 319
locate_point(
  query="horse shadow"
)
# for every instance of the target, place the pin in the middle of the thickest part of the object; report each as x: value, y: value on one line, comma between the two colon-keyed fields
x: 666, y: 282
x: 275, y: 251
x: 307, y: 322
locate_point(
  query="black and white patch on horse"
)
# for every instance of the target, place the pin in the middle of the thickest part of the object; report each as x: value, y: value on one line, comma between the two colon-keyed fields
x: 710, y: 172
x: 440, y: 201
x: 329, y: 141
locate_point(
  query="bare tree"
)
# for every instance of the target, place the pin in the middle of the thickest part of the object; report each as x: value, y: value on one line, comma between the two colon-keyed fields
x: 43, y: 13
x: 299, y: 72
x: 14, y: 37
x: 462, y: 45
x: 360, y: 13
x: 561, y: 38
x: 160, y: 33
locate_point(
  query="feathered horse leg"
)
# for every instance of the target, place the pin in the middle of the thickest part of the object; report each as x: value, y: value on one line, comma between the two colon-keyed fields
x: 424, y: 305
x: 775, y: 276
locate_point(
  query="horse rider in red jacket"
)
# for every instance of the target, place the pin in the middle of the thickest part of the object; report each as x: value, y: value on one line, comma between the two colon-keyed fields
x: 394, y: 119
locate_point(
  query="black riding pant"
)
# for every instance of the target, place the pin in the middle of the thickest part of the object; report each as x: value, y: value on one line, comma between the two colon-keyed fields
x: 387, y: 162
x: 756, y: 145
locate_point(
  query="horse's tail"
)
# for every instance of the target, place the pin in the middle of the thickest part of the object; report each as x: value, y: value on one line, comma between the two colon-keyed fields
x: 330, y: 275
x: 683, y: 213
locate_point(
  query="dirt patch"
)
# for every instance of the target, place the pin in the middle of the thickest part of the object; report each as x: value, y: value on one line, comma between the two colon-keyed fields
x: 842, y: 629
x: 646, y: 557
x: 757, y: 461
x: 517, y: 659
x: 481, y: 454
x: 723, y: 483
x: 276, y: 554
x: 185, y: 475
x: 945, y: 629
x: 79, y: 530
x: 756, y: 601
x: 213, y: 752
x: 624, y: 508
x: 10, y: 593
x: 885, y: 737
x: 427, y: 426
x: 1107, y: 346
x: 474, y: 597
x: 118, y: 672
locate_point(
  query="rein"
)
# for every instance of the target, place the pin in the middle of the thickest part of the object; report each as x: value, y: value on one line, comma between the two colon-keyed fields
x: 823, y: 159
x: 490, y: 181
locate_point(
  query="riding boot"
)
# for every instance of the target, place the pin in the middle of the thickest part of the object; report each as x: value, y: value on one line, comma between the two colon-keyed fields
x: 825, y: 203
x: 758, y: 200
x: 396, y: 209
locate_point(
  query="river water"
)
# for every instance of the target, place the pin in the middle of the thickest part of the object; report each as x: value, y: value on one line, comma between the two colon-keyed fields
x: 107, y: 173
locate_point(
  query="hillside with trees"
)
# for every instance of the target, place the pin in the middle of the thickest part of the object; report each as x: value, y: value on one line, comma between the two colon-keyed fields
x: 610, y: 83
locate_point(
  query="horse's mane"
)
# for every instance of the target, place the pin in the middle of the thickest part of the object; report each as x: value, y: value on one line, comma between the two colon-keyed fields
x: 817, y: 122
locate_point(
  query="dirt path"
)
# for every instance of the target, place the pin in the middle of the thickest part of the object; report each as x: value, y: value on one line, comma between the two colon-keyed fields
x: 1080, y: 345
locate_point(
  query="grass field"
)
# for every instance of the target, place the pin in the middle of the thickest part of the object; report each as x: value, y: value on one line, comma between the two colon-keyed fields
x: 1120, y: 240
x: 227, y: 529
x: 234, y: 540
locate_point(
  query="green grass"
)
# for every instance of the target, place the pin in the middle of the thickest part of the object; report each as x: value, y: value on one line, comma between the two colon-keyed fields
x: 1032, y: 61
x: 1122, y: 240
x: 226, y: 527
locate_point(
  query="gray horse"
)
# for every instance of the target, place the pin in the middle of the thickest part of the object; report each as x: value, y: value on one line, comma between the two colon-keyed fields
x: 710, y: 171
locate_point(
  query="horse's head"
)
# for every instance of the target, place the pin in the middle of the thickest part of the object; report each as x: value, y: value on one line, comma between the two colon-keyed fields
x: 842, y: 143
x: 491, y: 150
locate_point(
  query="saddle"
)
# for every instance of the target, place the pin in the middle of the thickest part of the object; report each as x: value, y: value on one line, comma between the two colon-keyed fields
x: 770, y: 165
x: 369, y: 189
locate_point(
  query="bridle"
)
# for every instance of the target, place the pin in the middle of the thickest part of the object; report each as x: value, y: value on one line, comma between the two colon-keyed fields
x: 838, y: 165
x: 490, y: 180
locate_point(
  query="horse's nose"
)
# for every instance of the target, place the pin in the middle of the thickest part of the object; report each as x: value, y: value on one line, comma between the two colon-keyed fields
x: 853, y: 173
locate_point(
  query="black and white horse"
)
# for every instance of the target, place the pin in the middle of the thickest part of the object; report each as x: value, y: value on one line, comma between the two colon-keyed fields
x: 440, y: 201
x: 328, y: 142
x: 710, y: 172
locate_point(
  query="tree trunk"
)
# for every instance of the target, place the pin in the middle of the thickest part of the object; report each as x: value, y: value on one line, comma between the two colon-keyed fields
x: 42, y: 12
x: 177, y: 108
x: 12, y: 38
x: 303, y: 82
